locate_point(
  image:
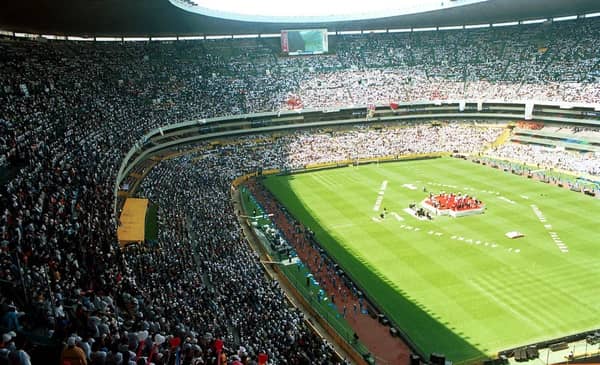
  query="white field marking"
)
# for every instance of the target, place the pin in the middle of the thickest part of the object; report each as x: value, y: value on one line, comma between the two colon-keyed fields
x: 379, y: 199
x: 398, y: 217
x: 435, y: 233
x: 525, y: 197
x: 559, y: 243
x: 491, y: 192
x: 442, y: 185
x: 471, y: 241
x: 375, y: 219
x: 409, y: 186
x: 378, y: 203
x: 409, y: 227
x: 506, y: 200
x: 538, y: 213
x: 383, y: 185
x: 555, y: 237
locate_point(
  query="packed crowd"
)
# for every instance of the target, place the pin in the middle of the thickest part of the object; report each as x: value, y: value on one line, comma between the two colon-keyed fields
x: 549, y: 158
x: 301, y: 149
x: 70, y: 110
x: 215, y: 281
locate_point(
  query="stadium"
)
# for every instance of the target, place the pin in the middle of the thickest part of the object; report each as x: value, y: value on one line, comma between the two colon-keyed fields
x: 189, y: 182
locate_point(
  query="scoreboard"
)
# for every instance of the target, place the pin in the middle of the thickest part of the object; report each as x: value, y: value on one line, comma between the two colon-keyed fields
x: 304, y: 41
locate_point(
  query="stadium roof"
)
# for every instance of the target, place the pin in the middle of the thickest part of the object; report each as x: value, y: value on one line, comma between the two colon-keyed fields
x: 161, y: 18
x: 311, y: 11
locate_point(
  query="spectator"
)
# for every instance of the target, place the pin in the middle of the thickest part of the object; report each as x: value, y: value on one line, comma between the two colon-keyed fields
x: 72, y: 354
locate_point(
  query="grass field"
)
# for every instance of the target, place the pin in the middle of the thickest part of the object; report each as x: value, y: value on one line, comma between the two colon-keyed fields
x: 458, y: 286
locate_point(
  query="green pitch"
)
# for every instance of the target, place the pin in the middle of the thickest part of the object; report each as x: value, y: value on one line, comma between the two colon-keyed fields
x: 458, y: 286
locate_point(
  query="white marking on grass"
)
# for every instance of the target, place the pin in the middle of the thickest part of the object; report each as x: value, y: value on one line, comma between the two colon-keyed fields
x: 375, y: 219
x: 506, y: 200
x: 553, y: 235
x: 378, y: 203
x: 398, y: 218
x: 409, y: 186
x: 525, y: 197
x: 379, y: 199
x: 383, y: 185
x: 538, y: 213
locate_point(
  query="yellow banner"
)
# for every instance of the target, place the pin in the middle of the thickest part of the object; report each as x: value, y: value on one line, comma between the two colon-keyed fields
x: 132, y: 221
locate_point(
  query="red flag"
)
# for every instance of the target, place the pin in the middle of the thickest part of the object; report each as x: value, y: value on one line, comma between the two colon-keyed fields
x: 174, y: 342
x: 262, y: 358
x: 394, y: 106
